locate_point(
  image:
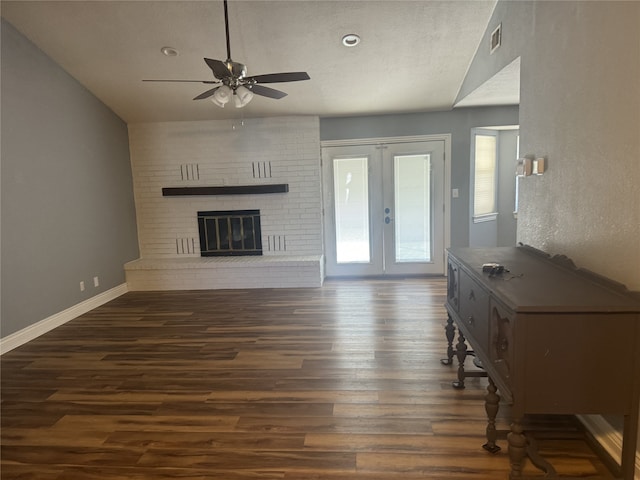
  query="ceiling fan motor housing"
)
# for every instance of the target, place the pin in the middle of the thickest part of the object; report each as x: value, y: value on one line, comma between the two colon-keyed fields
x: 238, y: 70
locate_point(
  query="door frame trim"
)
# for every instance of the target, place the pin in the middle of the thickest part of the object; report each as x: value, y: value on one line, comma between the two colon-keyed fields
x: 445, y: 137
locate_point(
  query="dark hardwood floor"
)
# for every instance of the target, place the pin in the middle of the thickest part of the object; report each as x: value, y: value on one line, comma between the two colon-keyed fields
x: 342, y: 382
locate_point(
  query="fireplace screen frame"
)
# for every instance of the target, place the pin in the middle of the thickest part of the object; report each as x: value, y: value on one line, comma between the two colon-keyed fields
x: 225, y: 233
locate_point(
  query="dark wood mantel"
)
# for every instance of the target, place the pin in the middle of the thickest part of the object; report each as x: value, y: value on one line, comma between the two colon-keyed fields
x: 225, y: 190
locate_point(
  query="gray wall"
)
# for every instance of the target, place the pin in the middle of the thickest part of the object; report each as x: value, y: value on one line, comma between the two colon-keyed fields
x: 580, y: 107
x: 66, y: 192
x: 458, y: 123
x: 588, y: 203
x: 507, y: 224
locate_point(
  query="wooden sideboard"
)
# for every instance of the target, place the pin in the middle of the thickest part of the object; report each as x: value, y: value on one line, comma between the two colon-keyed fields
x: 552, y: 338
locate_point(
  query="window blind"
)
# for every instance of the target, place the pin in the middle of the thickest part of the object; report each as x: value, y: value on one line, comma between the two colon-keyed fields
x: 484, y: 196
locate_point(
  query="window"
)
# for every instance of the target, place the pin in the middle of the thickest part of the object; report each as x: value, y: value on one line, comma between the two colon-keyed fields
x: 485, y: 177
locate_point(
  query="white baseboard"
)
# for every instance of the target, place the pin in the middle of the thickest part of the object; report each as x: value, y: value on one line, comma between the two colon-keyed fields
x: 608, y: 437
x: 27, y: 334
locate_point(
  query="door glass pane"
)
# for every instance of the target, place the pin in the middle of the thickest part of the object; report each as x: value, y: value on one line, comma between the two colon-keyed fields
x: 351, y: 194
x: 412, y: 194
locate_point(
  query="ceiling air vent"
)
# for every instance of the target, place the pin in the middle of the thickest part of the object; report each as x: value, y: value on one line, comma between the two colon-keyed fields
x: 496, y: 39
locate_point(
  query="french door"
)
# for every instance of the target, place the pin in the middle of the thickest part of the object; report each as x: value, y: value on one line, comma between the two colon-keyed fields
x: 384, y: 209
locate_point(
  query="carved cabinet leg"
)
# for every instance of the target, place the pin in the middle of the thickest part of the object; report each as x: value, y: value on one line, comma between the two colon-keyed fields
x: 461, y: 353
x: 491, y: 405
x: 517, y: 449
x: 450, y: 332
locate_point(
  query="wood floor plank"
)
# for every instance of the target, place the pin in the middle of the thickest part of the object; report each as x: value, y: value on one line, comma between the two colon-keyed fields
x: 52, y: 437
x: 342, y: 382
x: 69, y: 455
x: 243, y: 409
x: 207, y: 440
x: 396, y: 443
x: 112, y: 423
x: 306, y: 396
x: 415, y: 411
x: 29, y: 472
x: 336, y: 424
x: 238, y: 460
x: 418, y: 464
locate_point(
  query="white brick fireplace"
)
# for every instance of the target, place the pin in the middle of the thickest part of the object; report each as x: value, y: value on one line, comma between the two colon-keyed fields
x: 256, y: 152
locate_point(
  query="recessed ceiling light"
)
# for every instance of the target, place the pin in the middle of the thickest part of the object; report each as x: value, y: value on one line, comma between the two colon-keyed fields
x: 350, y: 40
x: 169, y: 51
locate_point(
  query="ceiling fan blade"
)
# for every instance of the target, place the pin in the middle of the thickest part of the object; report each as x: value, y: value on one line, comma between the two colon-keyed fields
x: 206, y: 94
x: 280, y: 77
x: 266, y: 91
x: 219, y: 68
x: 183, y: 81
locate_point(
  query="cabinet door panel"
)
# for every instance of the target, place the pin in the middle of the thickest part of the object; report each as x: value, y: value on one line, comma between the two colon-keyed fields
x: 453, y: 273
x: 563, y: 355
x: 502, y: 346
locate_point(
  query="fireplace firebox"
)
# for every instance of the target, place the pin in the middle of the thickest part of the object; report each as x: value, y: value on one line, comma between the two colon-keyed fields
x: 229, y: 233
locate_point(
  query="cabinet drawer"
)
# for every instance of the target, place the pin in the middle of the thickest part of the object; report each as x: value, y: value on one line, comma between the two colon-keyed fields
x: 474, y: 311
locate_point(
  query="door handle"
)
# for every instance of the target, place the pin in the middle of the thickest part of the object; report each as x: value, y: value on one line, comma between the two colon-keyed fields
x: 387, y: 218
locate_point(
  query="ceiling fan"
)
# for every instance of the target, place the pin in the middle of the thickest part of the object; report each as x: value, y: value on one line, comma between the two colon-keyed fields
x: 233, y: 82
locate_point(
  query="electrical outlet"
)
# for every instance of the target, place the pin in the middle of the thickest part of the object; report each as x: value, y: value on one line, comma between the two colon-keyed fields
x: 96, y: 282
x: 82, y: 286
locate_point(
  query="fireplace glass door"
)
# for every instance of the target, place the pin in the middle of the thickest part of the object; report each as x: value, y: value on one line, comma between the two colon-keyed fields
x: 229, y: 233
x: 384, y: 209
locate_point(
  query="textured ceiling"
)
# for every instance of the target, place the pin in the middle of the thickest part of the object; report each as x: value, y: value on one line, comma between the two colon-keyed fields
x: 413, y: 56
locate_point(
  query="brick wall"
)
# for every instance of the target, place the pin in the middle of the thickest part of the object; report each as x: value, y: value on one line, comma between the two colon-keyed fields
x: 214, y: 153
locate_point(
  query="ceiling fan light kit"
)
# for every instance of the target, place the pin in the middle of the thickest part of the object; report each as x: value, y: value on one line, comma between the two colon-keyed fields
x: 242, y: 96
x: 221, y: 96
x: 234, y: 82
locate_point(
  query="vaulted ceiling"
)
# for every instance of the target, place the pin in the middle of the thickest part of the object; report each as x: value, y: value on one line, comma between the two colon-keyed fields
x: 413, y: 55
